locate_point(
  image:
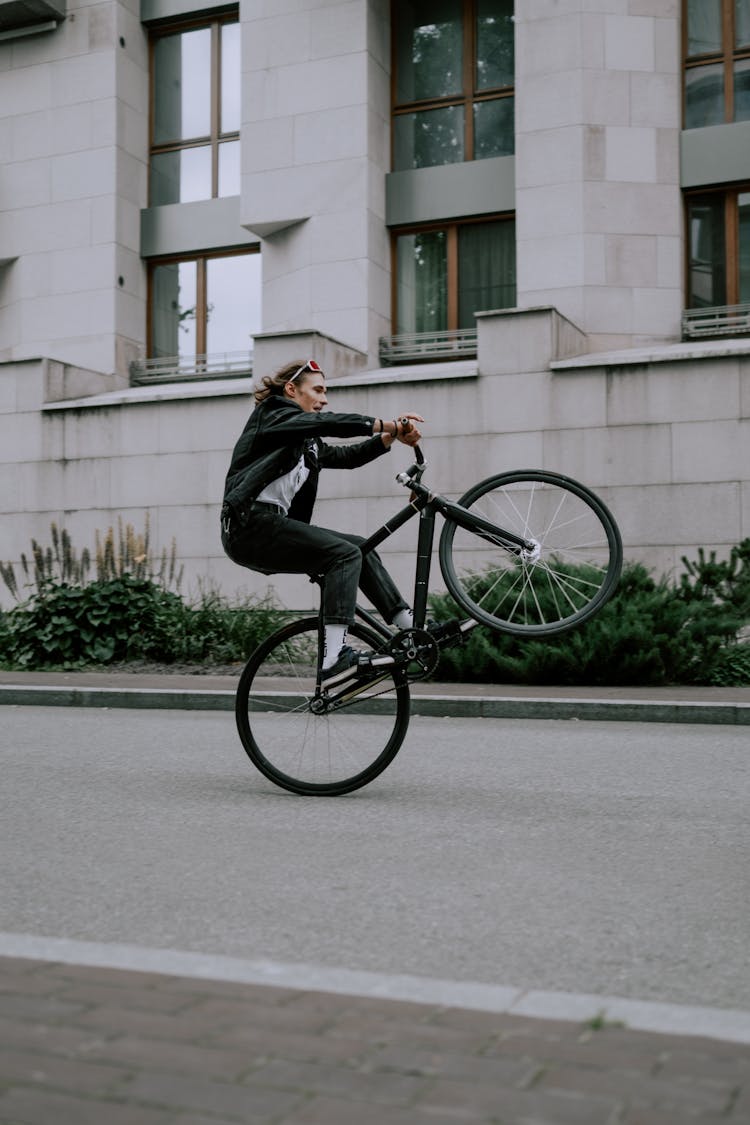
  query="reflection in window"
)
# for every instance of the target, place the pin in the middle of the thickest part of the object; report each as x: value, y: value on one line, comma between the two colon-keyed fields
x: 495, y: 60
x: 743, y: 211
x: 454, y: 71
x: 717, y: 62
x: 195, y: 113
x: 719, y: 247
x: 422, y: 282
x: 741, y: 23
x: 707, y: 273
x: 704, y: 96
x: 182, y: 86
x: 444, y: 276
x: 703, y: 27
x: 174, y: 309
x: 742, y: 90
x: 493, y: 128
x: 207, y: 305
x: 421, y: 140
x: 429, y: 49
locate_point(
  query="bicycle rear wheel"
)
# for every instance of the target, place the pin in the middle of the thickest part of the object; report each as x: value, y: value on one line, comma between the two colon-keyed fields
x: 325, y: 754
x: 571, y: 570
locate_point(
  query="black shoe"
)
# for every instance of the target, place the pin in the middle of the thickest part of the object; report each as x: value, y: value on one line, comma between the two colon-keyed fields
x: 347, y: 664
x: 442, y: 631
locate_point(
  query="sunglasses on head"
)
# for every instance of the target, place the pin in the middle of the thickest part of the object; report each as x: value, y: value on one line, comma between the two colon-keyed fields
x: 311, y: 365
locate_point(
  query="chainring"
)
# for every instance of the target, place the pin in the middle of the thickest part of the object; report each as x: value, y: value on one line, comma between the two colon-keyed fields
x: 416, y: 651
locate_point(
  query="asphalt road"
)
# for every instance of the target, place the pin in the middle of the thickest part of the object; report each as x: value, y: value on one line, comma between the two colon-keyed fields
x: 584, y: 857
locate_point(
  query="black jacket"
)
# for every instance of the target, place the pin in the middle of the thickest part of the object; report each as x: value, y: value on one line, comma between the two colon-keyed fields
x: 277, y: 434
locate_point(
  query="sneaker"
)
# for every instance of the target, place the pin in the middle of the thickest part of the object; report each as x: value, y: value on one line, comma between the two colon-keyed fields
x: 346, y: 665
x: 441, y: 631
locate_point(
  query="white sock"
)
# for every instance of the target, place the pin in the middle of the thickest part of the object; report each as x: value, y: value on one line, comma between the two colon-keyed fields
x: 404, y: 619
x: 335, y: 635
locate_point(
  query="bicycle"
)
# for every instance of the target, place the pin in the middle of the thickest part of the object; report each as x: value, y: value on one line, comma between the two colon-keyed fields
x: 544, y: 554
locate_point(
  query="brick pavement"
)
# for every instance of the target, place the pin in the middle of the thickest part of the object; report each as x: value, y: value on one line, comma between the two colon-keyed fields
x: 95, y: 1046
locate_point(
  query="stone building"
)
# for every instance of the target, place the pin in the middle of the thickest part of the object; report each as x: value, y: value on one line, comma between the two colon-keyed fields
x: 530, y: 221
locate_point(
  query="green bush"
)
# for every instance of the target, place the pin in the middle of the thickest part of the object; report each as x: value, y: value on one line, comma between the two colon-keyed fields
x: 126, y: 614
x: 650, y: 633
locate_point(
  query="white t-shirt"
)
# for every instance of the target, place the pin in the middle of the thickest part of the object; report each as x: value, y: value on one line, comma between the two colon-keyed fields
x: 283, y: 490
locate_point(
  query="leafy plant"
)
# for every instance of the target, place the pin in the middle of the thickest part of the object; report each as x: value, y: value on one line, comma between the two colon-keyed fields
x: 651, y: 632
x: 129, y: 553
x: 127, y: 613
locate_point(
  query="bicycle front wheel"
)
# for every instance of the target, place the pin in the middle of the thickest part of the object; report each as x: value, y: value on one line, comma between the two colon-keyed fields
x: 327, y: 752
x: 568, y: 572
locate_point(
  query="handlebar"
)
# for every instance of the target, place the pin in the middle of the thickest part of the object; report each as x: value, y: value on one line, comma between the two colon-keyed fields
x: 406, y: 425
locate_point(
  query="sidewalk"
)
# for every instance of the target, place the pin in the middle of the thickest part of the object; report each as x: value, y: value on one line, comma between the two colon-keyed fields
x: 89, y: 1045
x: 216, y: 693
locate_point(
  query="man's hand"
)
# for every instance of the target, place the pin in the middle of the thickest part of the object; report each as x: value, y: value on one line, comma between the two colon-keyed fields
x: 408, y: 433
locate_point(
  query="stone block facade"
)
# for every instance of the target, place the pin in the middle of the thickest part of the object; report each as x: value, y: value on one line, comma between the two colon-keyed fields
x: 664, y: 441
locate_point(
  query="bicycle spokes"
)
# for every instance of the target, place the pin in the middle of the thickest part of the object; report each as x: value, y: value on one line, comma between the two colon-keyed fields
x: 567, y: 568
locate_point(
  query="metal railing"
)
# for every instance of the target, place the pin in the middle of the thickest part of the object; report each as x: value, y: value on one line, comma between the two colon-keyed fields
x: 411, y: 347
x: 180, y: 369
x: 723, y: 320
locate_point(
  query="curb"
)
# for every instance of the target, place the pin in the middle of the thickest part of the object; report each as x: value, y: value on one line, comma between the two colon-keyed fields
x: 439, y: 706
x: 726, y: 1024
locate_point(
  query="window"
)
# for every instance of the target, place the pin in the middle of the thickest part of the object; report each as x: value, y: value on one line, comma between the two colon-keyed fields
x: 445, y: 274
x: 716, y: 36
x: 195, y: 112
x: 453, y: 65
x: 718, y: 240
x: 204, y: 306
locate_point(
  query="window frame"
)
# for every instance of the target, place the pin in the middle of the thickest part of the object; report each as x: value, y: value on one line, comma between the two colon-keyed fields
x: 451, y: 227
x: 201, y: 291
x: 215, y: 138
x: 469, y: 96
x: 730, y: 196
x: 727, y: 57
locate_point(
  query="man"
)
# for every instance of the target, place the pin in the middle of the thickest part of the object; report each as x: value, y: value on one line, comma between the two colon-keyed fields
x: 270, y: 493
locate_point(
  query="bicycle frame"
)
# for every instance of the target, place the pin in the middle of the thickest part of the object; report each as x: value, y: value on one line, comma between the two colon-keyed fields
x: 427, y: 505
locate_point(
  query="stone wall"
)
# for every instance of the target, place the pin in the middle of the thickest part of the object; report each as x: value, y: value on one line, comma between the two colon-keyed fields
x: 663, y: 436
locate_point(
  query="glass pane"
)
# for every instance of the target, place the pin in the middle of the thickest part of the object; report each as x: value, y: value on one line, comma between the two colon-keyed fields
x: 182, y: 109
x: 229, y: 168
x: 434, y: 136
x: 742, y: 23
x: 494, y: 129
x: 180, y: 177
x: 233, y: 303
x: 704, y: 26
x: 421, y: 262
x: 743, y: 208
x: 704, y: 96
x: 707, y: 271
x: 429, y: 49
x: 742, y: 90
x: 230, y: 78
x: 486, y: 269
x: 164, y: 179
x: 173, y: 310
x: 495, y: 45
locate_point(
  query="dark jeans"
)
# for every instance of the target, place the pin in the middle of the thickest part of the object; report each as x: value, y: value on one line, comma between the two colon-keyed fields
x: 273, y: 544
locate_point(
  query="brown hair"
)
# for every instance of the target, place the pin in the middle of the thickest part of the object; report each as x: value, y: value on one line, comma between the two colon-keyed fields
x: 274, y: 384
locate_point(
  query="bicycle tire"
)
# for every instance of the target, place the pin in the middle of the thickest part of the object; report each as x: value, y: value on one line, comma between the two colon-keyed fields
x: 579, y: 554
x: 317, y: 754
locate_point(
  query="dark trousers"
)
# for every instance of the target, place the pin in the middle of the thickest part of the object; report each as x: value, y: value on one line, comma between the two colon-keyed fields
x: 274, y: 544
